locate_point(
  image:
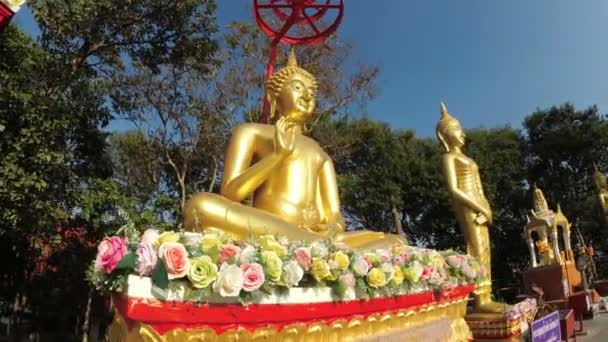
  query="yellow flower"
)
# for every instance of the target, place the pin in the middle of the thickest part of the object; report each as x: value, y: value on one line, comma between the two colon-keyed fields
x: 211, y: 241
x: 203, y: 271
x: 273, y: 265
x: 167, y: 237
x: 268, y: 243
x: 376, y: 278
x: 320, y: 269
x: 341, y: 259
x: 397, y: 276
x: 412, y: 274
x: 399, y: 249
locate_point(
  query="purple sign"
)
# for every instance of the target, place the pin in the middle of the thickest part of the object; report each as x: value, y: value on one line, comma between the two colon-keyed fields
x: 547, y: 329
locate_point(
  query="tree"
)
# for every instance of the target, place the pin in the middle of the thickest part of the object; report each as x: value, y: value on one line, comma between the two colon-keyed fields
x: 500, y: 155
x: 183, y: 119
x: 51, y: 147
x: 106, y: 37
x: 246, y: 56
x: 370, y: 161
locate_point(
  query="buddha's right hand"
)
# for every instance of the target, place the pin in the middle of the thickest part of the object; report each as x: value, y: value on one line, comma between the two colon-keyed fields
x: 284, y: 138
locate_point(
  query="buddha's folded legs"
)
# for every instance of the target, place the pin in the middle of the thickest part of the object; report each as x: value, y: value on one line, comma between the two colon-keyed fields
x: 368, y: 240
x: 208, y: 210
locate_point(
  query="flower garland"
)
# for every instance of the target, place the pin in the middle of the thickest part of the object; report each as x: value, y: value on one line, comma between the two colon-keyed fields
x: 213, y: 262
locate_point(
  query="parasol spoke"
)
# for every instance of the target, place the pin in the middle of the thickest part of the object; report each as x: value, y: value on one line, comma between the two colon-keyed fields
x: 312, y: 23
x: 322, y: 6
x: 274, y: 6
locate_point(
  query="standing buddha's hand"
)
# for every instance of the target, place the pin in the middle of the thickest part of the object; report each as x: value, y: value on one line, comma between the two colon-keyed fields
x: 284, y: 138
x: 482, y: 218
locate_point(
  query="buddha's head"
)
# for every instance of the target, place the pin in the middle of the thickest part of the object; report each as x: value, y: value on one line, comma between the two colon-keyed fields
x: 449, y: 131
x: 291, y: 91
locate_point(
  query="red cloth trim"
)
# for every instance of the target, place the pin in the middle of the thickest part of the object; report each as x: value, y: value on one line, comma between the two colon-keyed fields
x: 165, y: 316
x: 5, y: 15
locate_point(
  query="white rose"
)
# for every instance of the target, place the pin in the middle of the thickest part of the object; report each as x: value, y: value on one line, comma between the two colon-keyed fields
x: 383, y: 254
x: 292, y: 273
x: 389, y: 270
x: 283, y: 240
x: 359, y: 266
x: 318, y: 249
x: 229, y: 281
x: 191, y: 238
x: 247, y: 255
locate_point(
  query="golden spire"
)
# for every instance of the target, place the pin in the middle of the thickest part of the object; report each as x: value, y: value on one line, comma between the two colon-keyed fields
x: 444, y: 110
x: 446, y: 120
x: 539, y: 202
x: 292, y: 62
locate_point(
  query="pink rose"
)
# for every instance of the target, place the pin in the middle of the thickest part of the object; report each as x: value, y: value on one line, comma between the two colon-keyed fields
x: 402, y: 258
x: 253, y: 276
x: 368, y: 261
x: 146, y: 258
x: 455, y: 260
x: 348, y: 279
x: 383, y: 254
x: 150, y: 236
x: 175, y: 256
x: 303, y: 258
x: 426, y: 272
x: 109, y: 252
x: 228, y: 252
x: 341, y: 246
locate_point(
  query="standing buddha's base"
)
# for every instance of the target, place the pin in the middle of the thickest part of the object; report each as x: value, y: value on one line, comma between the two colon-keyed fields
x: 512, y: 325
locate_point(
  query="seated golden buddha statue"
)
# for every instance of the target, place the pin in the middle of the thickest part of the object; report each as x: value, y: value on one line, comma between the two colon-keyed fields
x: 291, y: 179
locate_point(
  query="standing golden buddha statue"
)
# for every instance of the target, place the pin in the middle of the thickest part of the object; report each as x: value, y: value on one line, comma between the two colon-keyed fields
x: 601, y: 189
x: 469, y: 203
x: 291, y: 179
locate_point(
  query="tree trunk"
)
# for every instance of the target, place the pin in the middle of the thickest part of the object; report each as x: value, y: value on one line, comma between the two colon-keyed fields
x: 87, y: 316
x: 398, y: 224
x: 182, y: 190
x: 214, y: 176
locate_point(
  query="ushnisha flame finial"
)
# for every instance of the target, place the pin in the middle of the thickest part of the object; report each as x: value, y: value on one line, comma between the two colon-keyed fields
x: 292, y: 61
x: 539, y: 203
x: 446, y: 120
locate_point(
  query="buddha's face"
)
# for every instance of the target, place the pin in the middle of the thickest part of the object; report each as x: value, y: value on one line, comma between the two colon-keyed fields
x: 297, y: 98
x: 455, y: 135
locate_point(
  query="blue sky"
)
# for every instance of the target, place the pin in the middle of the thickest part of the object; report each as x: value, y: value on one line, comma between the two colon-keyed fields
x: 492, y: 62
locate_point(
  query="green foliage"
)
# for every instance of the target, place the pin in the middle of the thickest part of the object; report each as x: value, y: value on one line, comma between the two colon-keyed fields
x: 47, y: 139
x: 127, y: 262
x: 160, y: 277
x: 105, y: 36
x: 562, y: 145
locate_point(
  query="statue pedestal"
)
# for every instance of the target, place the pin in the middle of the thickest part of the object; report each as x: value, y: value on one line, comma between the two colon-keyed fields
x: 557, y: 281
x: 512, y: 325
x: 497, y: 327
x: 424, y: 315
